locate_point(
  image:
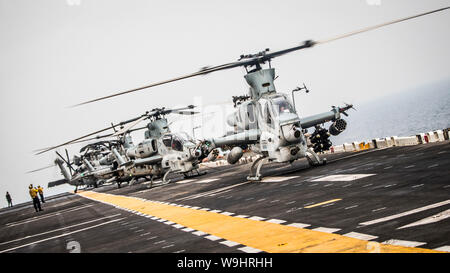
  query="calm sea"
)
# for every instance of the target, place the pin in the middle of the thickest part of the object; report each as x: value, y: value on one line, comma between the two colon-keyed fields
x: 408, y: 113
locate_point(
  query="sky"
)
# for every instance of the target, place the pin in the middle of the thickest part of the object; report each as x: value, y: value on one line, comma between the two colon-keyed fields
x: 57, y: 53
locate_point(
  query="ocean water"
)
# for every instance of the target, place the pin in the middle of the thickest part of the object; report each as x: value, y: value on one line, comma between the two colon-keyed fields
x: 404, y: 114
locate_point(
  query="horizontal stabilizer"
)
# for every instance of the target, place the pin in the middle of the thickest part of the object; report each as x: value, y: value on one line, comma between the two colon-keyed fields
x: 56, y: 183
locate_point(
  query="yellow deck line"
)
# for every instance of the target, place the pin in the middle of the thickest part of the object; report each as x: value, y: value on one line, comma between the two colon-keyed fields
x: 323, y: 203
x: 265, y: 236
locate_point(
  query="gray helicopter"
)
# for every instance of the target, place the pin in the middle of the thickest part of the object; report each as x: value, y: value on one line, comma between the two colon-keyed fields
x: 267, y: 122
x: 161, y: 153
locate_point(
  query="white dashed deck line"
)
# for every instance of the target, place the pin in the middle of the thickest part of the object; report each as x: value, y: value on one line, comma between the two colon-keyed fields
x: 395, y: 216
x: 360, y: 236
x: 216, y: 211
x: 327, y: 230
x: 257, y: 218
x: 241, y: 216
x: 227, y: 213
x: 299, y: 225
x: 185, y: 181
x: 229, y: 243
x: 169, y: 223
x: 199, y: 233
x: 403, y: 243
x: 207, y: 180
x: 248, y: 249
x: 276, y: 221
x: 178, y: 226
x: 443, y: 248
x: 277, y: 179
x: 188, y: 229
x: 342, y: 177
x: 212, y: 238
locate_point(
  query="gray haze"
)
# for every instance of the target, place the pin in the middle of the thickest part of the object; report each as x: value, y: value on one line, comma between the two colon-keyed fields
x: 56, y: 53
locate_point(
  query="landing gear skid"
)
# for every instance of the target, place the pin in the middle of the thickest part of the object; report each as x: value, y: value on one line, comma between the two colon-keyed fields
x: 164, y: 180
x: 314, y: 159
x: 255, y: 170
x: 192, y: 174
x: 132, y: 181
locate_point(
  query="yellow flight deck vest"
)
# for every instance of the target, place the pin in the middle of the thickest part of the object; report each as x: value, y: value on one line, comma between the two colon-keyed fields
x: 40, y: 190
x: 33, y: 193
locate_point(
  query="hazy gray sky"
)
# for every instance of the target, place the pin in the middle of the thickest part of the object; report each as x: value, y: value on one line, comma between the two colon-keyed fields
x: 56, y: 53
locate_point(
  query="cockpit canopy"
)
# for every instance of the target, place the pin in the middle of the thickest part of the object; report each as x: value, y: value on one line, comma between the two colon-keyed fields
x: 177, y: 141
x: 281, y: 105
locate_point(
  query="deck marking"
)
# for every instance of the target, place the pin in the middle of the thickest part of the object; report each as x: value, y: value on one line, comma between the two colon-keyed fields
x: 322, y: 203
x: 62, y: 235
x: 403, y: 243
x: 416, y: 186
x: 432, y: 166
x: 276, y: 221
x: 327, y: 230
x: 342, y: 177
x: 252, y: 235
x: 378, y: 209
x: 351, y: 207
x: 360, y: 236
x: 271, y: 179
x: 395, y: 216
x: 211, y: 192
x: 212, y: 238
x: 229, y: 243
x: 257, y: 218
x: 207, y: 180
x: 188, y: 229
x: 249, y: 250
x: 185, y: 181
x: 428, y: 220
x: 58, y: 229
x: 443, y: 248
x: 298, y: 225
x: 199, y: 233
x: 37, y: 218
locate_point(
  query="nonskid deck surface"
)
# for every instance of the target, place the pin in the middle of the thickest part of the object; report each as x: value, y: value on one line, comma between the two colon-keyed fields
x: 390, y: 200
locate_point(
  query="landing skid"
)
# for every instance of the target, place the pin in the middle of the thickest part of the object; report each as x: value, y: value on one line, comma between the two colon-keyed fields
x: 255, y: 170
x: 314, y: 159
x: 191, y: 174
x: 164, y: 179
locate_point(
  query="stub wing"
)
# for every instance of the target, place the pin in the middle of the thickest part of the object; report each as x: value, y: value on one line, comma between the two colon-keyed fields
x: 148, y: 160
x: 246, y: 137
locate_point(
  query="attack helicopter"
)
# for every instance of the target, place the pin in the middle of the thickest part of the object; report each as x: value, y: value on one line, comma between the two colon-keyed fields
x: 158, y: 155
x: 267, y: 121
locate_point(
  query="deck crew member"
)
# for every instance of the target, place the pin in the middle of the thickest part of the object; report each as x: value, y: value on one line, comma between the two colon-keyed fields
x: 41, y: 193
x: 9, y: 199
x: 33, y: 193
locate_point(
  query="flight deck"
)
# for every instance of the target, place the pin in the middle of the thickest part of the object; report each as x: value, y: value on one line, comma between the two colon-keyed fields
x: 382, y: 200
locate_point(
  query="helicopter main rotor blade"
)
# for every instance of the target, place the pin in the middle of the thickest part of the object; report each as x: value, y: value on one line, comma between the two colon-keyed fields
x: 73, y: 140
x: 260, y: 57
x: 379, y: 26
x: 185, y: 112
x: 40, y: 169
x: 127, y: 128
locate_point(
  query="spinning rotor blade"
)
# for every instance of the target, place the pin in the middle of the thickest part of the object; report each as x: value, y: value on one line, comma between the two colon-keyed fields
x: 40, y: 169
x: 185, y: 112
x: 261, y: 57
x: 73, y: 140
x: 127, y: 128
